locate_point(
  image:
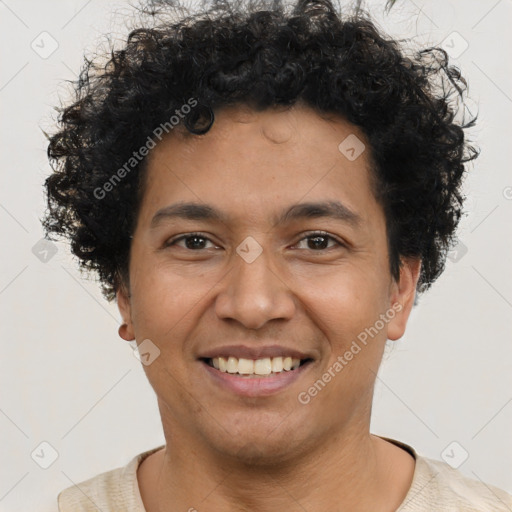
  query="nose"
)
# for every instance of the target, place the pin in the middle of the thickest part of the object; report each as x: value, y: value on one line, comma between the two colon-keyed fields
x: 253, y: 293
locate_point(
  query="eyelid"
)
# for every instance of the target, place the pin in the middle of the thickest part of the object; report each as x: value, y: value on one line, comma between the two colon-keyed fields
x: 178, y: 238
x: 311, y: 234
x: 305, y: 235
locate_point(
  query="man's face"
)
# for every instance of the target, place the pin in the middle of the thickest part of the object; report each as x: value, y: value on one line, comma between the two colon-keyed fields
x: 252, y: 288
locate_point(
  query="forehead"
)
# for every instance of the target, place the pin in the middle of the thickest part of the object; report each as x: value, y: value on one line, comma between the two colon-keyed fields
x: 249, y: 162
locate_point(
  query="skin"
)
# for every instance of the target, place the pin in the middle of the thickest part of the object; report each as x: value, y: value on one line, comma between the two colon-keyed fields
x: 232, y: 453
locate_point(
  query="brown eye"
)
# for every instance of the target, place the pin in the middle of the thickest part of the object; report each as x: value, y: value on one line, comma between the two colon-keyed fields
x: 319, y: 242
x: 193, y: 241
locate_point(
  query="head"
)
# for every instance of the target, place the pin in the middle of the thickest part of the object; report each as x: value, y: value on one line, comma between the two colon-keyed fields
x: 274, y: 108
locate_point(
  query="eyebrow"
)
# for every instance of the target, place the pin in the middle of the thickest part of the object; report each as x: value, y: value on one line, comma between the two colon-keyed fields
x: 311, y: 210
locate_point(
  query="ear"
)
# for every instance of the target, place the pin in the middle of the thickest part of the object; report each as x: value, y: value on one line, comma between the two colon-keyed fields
x: 123, y: 303
x: 402, y: 296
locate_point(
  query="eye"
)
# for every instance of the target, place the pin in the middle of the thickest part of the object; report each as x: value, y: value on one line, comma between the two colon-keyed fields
x: 196, y: 241
x: 319, y: 240
x: 193, y: 241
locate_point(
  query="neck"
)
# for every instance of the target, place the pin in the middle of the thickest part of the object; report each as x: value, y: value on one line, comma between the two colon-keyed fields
x: 351, y: 471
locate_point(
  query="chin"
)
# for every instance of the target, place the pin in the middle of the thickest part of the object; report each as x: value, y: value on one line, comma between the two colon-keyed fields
x: 262, y: 443
x: 262, y: 454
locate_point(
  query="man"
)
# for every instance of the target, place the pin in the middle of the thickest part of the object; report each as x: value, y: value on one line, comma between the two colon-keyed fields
x: 264, y: 192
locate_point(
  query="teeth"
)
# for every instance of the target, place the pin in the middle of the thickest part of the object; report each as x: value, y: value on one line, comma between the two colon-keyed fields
x: 264, y: 366
x: 232, y: 366
x: 277, y: 364
x: 245, y: 366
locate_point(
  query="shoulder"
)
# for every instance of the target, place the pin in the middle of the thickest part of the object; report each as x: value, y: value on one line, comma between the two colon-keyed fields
x: 112, y: 490
x: 438, y: 486
x: 101, y: 492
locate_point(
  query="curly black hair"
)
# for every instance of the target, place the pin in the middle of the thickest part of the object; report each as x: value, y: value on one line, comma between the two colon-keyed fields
x: 261, y: 54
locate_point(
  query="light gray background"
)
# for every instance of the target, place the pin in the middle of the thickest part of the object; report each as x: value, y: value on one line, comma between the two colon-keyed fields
x: 66, y: 378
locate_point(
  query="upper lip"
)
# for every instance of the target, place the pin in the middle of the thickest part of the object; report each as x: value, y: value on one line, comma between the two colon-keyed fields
x: 244, y: 352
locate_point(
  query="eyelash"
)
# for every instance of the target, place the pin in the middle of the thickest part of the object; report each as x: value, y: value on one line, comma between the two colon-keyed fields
x: 313, y: 234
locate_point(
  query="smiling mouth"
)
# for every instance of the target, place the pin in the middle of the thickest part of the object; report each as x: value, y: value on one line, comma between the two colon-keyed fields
x: 264, y: 367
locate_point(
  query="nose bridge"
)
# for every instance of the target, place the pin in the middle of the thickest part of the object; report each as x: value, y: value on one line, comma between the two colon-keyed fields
x: 254, y: 292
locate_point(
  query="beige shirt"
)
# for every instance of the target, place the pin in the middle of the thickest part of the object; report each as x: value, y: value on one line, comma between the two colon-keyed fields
x: 436, y: 487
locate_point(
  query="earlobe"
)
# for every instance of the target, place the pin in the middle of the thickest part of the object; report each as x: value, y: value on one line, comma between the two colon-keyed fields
x: 123, y: 303
x: 125, y: 332
x: 403, y: 294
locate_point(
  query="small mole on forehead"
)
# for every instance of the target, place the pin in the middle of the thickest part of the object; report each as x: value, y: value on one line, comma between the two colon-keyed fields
x: 277, y: 130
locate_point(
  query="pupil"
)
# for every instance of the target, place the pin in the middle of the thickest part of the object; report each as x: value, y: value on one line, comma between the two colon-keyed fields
x: 316, y: 238
x: 193, y: 245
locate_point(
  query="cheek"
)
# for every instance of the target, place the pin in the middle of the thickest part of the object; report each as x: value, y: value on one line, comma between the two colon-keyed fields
x: 345, y: 299
x: 345, y: 308
x: 163, y: 292
x: 167, y: 308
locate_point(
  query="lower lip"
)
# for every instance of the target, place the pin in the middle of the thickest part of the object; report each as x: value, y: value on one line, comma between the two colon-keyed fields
x: 257, y: 385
